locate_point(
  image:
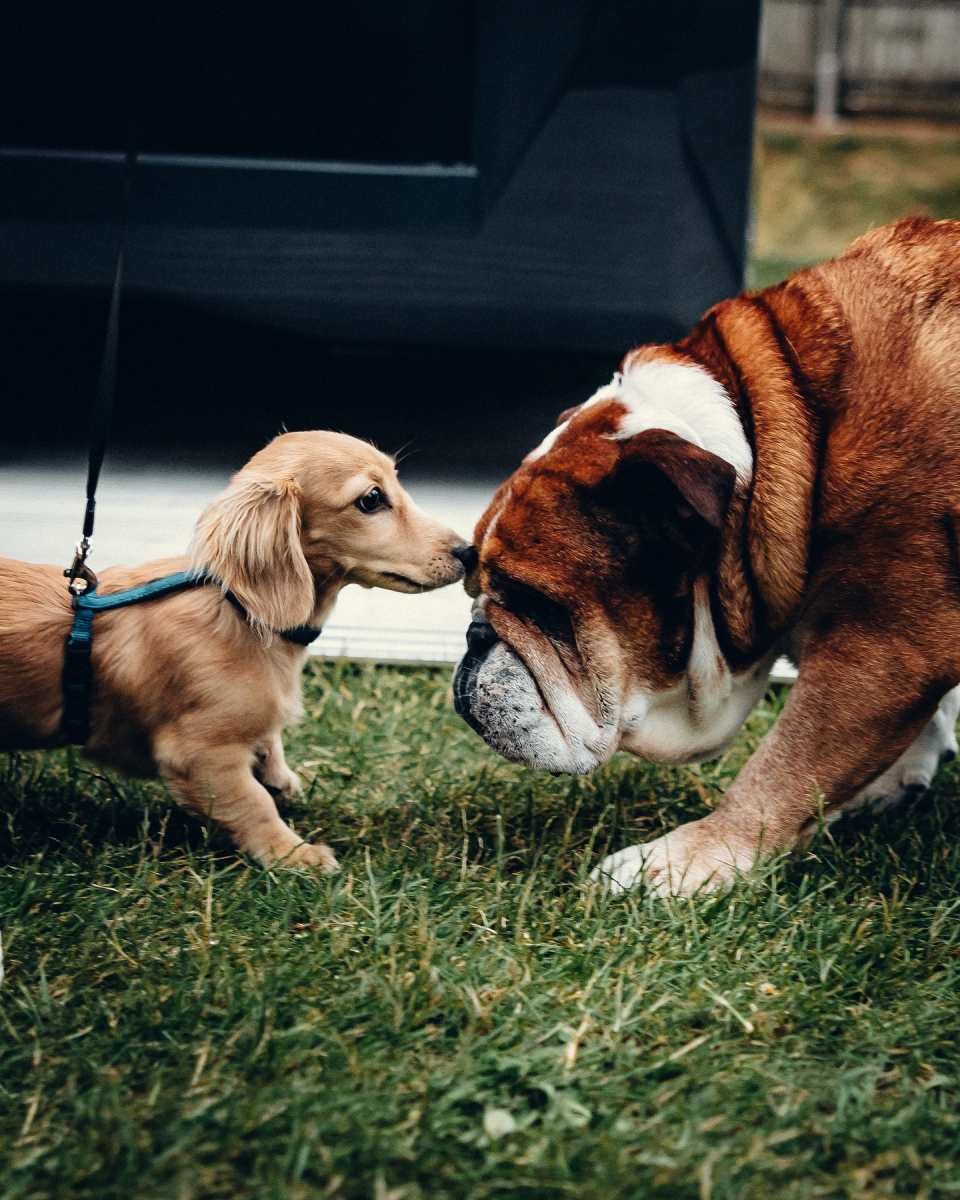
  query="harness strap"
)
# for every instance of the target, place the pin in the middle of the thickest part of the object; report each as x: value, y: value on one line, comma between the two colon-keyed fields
x: 77, y: 669
x: 77, y: 675
x: 135, y: 595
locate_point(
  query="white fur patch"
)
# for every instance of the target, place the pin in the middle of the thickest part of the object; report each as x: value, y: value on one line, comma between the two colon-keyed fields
x: 686, y: 400
x: 680, y: 397
x: 709, y: 679
x: 508, y: 496
x: 701, y: 714
x: 547, y: 443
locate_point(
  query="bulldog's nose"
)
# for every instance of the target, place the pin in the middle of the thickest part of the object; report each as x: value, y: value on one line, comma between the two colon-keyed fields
x: 480, y: 636
x: 467, y: 555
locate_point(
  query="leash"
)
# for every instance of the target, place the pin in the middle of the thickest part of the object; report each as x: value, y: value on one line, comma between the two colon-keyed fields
x: 81, y: 581
x: 81, y: 578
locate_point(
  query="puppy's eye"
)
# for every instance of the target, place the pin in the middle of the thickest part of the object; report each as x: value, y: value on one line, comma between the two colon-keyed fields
x: 372, y: 501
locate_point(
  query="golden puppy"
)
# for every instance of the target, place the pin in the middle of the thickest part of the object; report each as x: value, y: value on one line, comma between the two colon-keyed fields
x: 198, y: 685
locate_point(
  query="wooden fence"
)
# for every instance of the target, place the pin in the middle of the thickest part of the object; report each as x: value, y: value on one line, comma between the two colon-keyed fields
x: 862, y: 56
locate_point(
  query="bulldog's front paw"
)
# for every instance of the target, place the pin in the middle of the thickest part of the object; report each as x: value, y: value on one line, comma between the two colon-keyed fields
x: 689, y: 860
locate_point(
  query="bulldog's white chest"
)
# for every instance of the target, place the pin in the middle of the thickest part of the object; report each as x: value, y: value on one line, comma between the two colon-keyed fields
x: 670, y: 727
x: 700, y: 715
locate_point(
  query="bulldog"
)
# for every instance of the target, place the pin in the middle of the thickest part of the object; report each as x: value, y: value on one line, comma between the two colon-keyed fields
x: 784, y: 479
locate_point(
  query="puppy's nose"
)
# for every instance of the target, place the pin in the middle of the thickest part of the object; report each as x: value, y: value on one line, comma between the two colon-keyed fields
x: 480, y: 636
x: 467, y: 555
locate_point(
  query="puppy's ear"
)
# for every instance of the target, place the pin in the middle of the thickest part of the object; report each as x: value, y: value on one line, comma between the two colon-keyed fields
x: 663, y: 476
x: 249, y: 539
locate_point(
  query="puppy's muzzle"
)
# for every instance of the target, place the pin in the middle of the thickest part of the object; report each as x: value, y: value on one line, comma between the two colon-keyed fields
x: 481, y: 638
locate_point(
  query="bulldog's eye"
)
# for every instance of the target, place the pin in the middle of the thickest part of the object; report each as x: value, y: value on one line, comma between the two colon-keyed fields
x: 549, y: 617
x: 372, y: 501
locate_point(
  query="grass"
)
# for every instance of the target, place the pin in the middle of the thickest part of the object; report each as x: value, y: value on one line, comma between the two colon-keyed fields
x: 458, y: 1014
x: 814, y: 194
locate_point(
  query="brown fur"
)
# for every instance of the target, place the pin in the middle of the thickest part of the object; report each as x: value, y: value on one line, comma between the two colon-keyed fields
x: 843, y: 549
x: 185, y: 686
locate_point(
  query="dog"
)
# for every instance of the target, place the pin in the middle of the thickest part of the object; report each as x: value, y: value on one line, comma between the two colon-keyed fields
x: 784, y: 479
x: 198, y: 685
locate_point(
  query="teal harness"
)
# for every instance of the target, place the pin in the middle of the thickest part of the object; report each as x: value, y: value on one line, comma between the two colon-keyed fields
x: 77, y: 669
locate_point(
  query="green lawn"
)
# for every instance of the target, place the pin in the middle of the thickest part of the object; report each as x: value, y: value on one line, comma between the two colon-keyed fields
x: 813, y: 194
x: 458, y: 1014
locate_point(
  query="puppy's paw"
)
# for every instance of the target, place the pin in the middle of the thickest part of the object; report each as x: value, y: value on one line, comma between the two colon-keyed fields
x: 316, y: 855
x: 285, y: 782
x: 285, y: 849
x: 619, y: 872
x: 685, y: 862
x: 275, y: 775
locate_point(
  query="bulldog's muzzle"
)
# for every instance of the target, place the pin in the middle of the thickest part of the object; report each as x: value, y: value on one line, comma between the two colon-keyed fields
x: 481, y: 638
x: 498, y: 697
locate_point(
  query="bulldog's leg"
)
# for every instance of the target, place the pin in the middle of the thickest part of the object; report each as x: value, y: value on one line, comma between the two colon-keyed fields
x: 217, y: 783
x: 838, y: 728
x: 272, y: 769
x: 914, y: 770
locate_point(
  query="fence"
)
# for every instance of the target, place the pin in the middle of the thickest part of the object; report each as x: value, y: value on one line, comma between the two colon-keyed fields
x: 862, y: 56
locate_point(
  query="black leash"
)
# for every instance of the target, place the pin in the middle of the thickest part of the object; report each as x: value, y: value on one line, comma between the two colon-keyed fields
x: 81, y: 578
x: 77, y: 666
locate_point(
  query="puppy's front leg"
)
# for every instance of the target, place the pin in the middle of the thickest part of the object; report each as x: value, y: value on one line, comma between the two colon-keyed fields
x: 847, y: 719
x: 217, y: 782
x: 272, y: 768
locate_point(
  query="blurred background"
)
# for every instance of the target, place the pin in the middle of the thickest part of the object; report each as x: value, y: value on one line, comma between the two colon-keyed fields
x: 434, y: 223
x: 858, y: 123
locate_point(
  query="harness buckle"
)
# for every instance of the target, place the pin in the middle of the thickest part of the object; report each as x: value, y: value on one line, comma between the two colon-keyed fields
x: 82, y: 579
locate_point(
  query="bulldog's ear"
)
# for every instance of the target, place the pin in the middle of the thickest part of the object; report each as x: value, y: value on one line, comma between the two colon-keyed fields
x: 693, y: 476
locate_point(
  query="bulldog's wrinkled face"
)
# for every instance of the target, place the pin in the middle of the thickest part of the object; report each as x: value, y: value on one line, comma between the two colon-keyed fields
x: 592, y: 625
